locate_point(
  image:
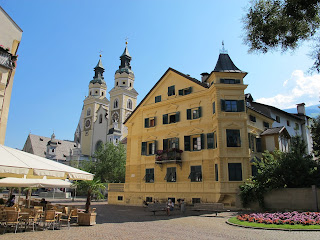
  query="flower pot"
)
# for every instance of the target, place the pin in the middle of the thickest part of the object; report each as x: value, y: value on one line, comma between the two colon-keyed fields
x: 87, y: 219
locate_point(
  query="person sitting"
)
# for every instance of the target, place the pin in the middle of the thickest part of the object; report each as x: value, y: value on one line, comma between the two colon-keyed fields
x: 11, y: 201
x: 43, y: 203
x: 170, y: 206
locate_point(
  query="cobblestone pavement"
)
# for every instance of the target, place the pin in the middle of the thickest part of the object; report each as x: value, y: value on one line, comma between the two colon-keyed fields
x: 124, y: 222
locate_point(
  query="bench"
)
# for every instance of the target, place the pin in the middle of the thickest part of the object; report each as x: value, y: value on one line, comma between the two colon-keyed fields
x: 209, y: 207
x: 157, y: 207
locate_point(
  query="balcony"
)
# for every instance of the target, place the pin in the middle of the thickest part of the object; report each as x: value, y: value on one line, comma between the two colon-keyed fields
x: 7, y: 60
x: 172, y: 155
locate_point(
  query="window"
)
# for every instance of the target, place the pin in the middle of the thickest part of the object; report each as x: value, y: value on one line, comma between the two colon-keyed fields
x: 149, y: 175
x: 96, y: 92
x: 150, y: 122
x: 101, y: 93
x: 129, y: 104
x: 88, y: 111
x: 90, y: 93
x: 170, y: 143
x: 266, y: 125
x: 130, y: 84
x: 194, y: 143
x: 157, y: 99
x: 233, y: 138
x: 123, y: 83
x: 194, y: 113
x: 100, y: 118
x: 149, y: 148
x: 115, y: 103
x: 185, y: 91
x: 120, y: 198
x: 171, y: 91
x: 211, y: 140
x: 235, y: 171
x: 258, y: 145
x: 288, y: 123
x: 229, y: 81
x: 195, y: 174
x: 216, y: 171
x: 171, y: 175
x: 149, y: 199
x: 277, y: 119
x: 171, y: 118
x: 117, y: 83
x: 195, y: 200
x: 214, y: 107
x: 253, y: 118
x: 296, y: 126
x: 52, y: 149
x: 232, y: 105
x: 254, y: 170
x: 251, y: 138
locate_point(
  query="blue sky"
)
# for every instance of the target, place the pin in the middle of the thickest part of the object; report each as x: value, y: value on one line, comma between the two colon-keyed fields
x: 61, y: 42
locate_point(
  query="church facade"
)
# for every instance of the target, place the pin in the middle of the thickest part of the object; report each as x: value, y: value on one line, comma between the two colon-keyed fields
x: 102, y: 119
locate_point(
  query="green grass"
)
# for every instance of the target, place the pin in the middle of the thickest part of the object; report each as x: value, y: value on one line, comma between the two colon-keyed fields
x: 234, y: 220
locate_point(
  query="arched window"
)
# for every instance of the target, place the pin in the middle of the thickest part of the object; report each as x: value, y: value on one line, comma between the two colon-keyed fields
x: 88, y: 112
x: 100, y: 118
x: 129, y: 104
x: 99, y: 144
x: 115, y: 104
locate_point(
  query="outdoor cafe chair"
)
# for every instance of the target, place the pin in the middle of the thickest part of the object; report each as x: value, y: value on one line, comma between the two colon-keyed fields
x: 12, y: 219
x: 66, y: 218
x: 49, y: 218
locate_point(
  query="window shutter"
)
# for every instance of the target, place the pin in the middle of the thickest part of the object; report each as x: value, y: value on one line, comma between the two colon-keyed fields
x: 210, y: 140
x: 221, y: 80
x: 165, y: 144
x: 240, y: 105
x: 214, y: 107
x: 187, y: 143
x: 181, y: 92
x: 188, y: 114
x: 165, y: 118
x: 177, y: 116
x: 155, y: 146
x: 155, y: 121
x: 146, y: 122
x: 144, y: 148
x: 223, y: 105
x: 200, y: 114
x: 190, y: 90
x: 177, y: 143
x: 202, y: 141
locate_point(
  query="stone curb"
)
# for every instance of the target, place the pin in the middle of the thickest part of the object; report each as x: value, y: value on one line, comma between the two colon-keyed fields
x: 278, y: 229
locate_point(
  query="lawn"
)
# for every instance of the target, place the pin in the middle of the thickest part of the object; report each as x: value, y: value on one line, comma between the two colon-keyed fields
x: 234, y: 220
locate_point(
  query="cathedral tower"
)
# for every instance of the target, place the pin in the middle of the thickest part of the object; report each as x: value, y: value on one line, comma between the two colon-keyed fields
x: 123, y: 98
x: 94, y: 117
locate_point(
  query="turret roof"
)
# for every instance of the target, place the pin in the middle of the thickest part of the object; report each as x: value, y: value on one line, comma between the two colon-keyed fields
x: 225, y: 64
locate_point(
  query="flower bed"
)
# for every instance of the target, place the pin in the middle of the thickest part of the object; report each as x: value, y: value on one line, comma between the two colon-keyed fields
x: 291, y: 218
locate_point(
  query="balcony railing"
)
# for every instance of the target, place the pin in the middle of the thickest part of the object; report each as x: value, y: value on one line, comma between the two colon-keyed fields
x: 7, y: 60
x: 170, y: 155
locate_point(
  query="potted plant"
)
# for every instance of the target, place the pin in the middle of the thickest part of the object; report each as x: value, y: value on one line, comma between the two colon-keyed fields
x: 88, y: 217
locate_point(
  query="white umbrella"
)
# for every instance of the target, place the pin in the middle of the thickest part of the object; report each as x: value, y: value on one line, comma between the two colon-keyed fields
x: 32, y: 182
x: 16, y: 163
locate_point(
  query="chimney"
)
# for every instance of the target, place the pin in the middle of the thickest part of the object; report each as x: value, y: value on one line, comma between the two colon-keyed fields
x: 204, y: 76
x: 301, y: 109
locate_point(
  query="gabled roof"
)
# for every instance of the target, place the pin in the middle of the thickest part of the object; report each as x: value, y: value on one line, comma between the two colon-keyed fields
x: 275, y: 130
x: 257, y: 111
x: 175, y: 71
x: 39, y: 146
x: 225, y: 64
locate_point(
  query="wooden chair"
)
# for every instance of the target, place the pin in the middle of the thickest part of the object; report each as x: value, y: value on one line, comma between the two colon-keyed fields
x: 49, y: 218
x: 74, y: 214
x: 35, y: 221
x: 66, y: 218
x: 12, y: 219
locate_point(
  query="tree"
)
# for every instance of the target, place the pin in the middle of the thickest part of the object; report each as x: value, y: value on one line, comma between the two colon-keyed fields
x: 273, y: 24
x: 293, y: 169
x: 110, y: 163
x: 315, y: 132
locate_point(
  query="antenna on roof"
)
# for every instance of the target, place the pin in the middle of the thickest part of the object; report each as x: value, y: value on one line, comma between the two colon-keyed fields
x: 223, y: 50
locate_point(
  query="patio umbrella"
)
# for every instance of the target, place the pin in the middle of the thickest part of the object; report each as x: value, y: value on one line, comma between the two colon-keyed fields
x: 16, y: 163
x: 32, y: 182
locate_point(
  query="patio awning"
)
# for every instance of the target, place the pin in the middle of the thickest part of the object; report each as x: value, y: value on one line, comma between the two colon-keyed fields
x: 16, y: 163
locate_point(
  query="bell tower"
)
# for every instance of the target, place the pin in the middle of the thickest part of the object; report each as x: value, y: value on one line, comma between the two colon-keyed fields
x: 96, y: 98
x: 123, y: 97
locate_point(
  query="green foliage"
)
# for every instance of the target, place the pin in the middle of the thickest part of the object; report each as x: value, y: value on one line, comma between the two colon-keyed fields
x: 315, y: 131
x: 270, y: 24
x: 110, y: 163
x: 293, y: 169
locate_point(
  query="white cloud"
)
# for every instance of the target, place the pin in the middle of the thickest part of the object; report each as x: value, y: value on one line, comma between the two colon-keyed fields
x: 297, y: 89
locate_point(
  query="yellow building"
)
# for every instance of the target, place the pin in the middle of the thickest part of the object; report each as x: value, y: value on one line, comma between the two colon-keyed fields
x: 189, y: 139
x: 10, y: 37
